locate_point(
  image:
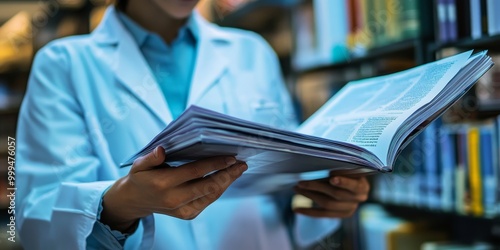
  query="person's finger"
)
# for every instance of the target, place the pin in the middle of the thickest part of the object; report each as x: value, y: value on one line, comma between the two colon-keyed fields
x: 322, y: 213
x: 212, y: 186
x: 336, y: 193
x: 218, y: 182
x: 208, y: 190
x: 327, y: 202
x: 356, y: 185
x: 149, y: 161
x: 199, y: 169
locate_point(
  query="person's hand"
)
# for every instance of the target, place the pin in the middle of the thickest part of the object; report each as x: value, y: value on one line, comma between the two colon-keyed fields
x: 334, y: 197
x: 181, y: 192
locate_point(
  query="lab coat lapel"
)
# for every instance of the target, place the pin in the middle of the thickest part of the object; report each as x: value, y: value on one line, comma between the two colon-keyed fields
x: 211, y: 61
x: 134, y: 73
x: 131, y: 69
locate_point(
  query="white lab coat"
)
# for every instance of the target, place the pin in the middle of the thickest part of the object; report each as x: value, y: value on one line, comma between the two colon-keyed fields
x: 92, y: 101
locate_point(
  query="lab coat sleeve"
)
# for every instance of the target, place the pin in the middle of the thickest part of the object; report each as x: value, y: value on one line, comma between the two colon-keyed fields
x: 59, y: 184
x: 306, y: 230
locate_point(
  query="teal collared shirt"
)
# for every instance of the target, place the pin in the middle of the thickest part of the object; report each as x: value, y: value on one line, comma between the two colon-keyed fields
x: 171, y: 64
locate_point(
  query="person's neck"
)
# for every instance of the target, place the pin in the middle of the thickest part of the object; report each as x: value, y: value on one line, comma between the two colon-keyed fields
x: 166, y: 26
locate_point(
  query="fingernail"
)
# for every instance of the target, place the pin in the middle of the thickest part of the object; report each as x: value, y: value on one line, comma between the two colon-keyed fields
x: 335, y: 181
x: 230, y: 161
x: 155, y: 152
x: 243, y: 167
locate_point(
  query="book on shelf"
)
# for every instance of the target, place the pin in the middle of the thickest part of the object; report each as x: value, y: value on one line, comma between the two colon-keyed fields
x: 360, y: 130
x: 330, y: 31
x: 475, y: 19
x: 440, y: 12
x: 466, y: 178
x: 456, y: 19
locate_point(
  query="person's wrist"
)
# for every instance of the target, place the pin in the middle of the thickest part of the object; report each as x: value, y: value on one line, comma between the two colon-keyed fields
x: 118, y: 210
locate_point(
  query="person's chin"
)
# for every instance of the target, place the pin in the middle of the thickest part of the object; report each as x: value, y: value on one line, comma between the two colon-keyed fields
x: 180, y: 14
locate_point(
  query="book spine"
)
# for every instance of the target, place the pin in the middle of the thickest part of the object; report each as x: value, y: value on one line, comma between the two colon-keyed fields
x: 410, y: 22
x: 451, y: 14
x: 497, y: 163
x: 420, y: 183
x: 474, y: 161
x: 491, y: 20
x: 366, y: 37
x: 431, y: 166
x: 475, y: 14
x: 496, y: 10
x: 441, y: 32
x: 413, y: 158
x: 305, y: 44
x: 487, y: 170
x: 493, y: 8
x: 448, y: 165
x: 351, y: 14
x: 380, y: 18
x: 461, y: 187
x: 332, y: 26
x: 393, y: 30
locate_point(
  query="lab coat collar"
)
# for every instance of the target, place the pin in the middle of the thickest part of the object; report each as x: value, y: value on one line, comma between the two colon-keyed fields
x: 134, y: 72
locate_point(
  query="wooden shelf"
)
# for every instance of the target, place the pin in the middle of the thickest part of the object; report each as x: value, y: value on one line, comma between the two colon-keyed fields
x: 396, y: 50
x: 489, y: 106
x: 465, y: 228
x: 486, y: 42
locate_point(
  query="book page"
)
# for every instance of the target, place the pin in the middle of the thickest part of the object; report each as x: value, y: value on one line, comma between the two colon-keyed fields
x: 368, y: 112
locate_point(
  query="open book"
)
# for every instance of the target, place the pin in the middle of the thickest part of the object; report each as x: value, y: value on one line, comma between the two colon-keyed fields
x: 362, y: 129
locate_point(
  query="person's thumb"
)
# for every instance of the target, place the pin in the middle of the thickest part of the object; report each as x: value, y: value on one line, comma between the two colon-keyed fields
x: 149, y: 161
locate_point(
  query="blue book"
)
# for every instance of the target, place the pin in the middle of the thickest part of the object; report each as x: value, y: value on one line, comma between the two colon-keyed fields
x: 497, y: 163
x: 451, y: 8
x: 431, y: 165
x: 475, y: 19
x: 493, y: 8
x: 418, y: 184
x: 448, y: 165
x: 442, y: 33
x: 461, y: 181
x: 333, y: 28
x: 403, y: 177
x: 489, y: 180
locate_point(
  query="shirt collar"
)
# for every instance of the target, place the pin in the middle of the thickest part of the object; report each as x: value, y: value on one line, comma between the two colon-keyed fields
x: 140, y: 34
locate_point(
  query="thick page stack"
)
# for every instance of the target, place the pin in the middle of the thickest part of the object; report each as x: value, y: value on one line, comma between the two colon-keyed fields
x: 362, y: 129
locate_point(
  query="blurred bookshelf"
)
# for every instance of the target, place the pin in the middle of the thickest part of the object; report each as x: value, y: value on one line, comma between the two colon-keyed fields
x: 250, y: 15
x: 401, y: 49
x: 330, y: 48
x: 462, y: 226
x: 486, y: 42
x: 322, y: 45
x: 25, y: 27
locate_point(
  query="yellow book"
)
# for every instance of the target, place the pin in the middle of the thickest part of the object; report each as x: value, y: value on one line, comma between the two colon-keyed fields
x: 365, y: 35
x: 393, y: 30
x: 475, y: 171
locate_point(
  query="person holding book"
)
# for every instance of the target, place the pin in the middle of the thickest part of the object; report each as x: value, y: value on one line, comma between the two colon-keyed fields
x: 95, y: 99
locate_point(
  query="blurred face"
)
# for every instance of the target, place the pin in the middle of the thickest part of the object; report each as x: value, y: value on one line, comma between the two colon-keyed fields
x: 177, y: 9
